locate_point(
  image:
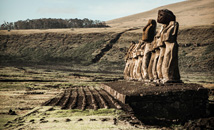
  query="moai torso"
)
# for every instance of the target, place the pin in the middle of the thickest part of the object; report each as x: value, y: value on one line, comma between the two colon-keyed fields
x: 151, y: 77
x: 140, y: 53
x: 156, y: 48
x: 128, y: 59
x: 127, y: 56
x: 162, y: 47
x: 134, y: 62
x: 170, y: 67
x: 147, y: 37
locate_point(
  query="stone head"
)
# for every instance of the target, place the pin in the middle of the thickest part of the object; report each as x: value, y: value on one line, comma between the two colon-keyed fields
x: 165, y: 16
x: 150, y: 22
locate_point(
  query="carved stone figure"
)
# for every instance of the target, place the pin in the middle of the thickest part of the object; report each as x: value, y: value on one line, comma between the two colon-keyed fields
x: 127, y: 69
x: 137, y: 61
x: 128, y: 60
x: 139, y: 70
x: 140, y: 53
x: 154, y: 67
x: 162, y: 18
x: 165, y: 16
x: 148, y: 37
x: 167, y: 66
x: 155, y: 57
x: 170, y: 68
x: 133, y: 61
x: 151, y: 77
x: 162, y: 48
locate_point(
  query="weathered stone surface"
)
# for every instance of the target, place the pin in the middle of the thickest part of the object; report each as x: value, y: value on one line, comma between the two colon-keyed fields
x: 138, y: 55
x: 149, y: 31
x: 200, y: 124
x: 177, y: 101
x: 165, y: 16
x: 170, y: 69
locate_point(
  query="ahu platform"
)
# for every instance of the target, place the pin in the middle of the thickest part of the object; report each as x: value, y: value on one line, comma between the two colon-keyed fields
x: 177, y: 101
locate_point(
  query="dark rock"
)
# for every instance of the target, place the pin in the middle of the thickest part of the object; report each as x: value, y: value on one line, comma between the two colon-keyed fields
x: 67, y: 120
x: 115, y: 121
x: 21, y: 124
x: 11, y: 112
x: 32, y: 120
x: 93, y: 120
x: 55, y: 121
x: 80, y: 119
x: 44, y: 121
x: 9, y: 122
x: 105, y: 119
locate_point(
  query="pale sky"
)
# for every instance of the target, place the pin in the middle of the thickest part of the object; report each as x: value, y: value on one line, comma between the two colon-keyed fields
x: 104, y: 10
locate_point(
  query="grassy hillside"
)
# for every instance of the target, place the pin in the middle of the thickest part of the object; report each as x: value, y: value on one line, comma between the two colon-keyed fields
x: 101, y: 51
x: 49, y: 47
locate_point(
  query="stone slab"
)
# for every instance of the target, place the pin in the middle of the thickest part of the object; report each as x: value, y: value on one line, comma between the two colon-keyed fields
x: 177, y: 101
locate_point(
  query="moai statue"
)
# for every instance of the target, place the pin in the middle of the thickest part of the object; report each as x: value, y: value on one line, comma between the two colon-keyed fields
x: 134, y: 64
x: 151, y: 77
x: 140, y: 53
x: 147, y: 37
x: 169, y: 64
x: 128, y: 59
x: 164, y: 19
x: 161, y: 46
x: 156, y: 55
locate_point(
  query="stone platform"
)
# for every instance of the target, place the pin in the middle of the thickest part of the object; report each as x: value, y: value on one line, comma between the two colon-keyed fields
x: 171, y: 102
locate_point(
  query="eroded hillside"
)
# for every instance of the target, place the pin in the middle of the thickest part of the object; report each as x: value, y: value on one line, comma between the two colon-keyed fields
x: 104, y: 50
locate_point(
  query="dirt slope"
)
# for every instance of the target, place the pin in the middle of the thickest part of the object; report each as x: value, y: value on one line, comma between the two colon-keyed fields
x: 102, y: 51
x: 188, y: 13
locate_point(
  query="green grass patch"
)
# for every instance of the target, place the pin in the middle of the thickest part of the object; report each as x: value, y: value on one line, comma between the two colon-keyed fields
x: 83, y: 54
x: 4, y: 119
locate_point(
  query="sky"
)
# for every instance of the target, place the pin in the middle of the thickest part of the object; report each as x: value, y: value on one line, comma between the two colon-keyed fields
x: 104, y: 10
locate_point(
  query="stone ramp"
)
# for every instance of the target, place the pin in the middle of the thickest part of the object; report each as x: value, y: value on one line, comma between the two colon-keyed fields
x: 84, y: 97
x: 168, y: 102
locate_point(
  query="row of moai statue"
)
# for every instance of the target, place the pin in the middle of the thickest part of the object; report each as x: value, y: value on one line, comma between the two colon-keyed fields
x: 155, y: 57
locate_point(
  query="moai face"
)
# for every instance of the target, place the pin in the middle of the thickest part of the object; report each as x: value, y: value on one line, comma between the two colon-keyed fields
x: 165, y: 16
x: 150, y: 22
x: 149, y: 31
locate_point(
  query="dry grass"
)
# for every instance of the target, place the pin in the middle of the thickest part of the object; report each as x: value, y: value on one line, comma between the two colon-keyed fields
x: 64, y: 31
x: 188, y: 13
x: 18, y: 96
x: 26, y: 96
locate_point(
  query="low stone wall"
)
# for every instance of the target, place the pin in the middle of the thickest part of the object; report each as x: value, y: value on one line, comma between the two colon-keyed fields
x: 171, y: 102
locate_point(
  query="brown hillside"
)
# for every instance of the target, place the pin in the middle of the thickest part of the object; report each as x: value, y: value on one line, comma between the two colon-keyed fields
x: 188, y: 13
x: 103, y: 51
